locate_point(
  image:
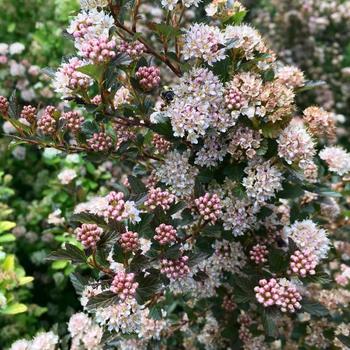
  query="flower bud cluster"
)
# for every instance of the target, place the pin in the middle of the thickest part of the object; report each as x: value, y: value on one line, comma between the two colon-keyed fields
x: 165, y: 234
x: 47, y: 123
x: 100, y: 142
x: 149, y: 77
x: 123, y: 284
x: 88, y: 235
x: 175, y: 269
x: 129, y: 241
x: 157, y: 197
x: 209, y: 207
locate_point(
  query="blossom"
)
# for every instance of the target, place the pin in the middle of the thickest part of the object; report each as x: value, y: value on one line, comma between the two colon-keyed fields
x: 204, y: 42
x: 245, y: 38
x: 16, y: 48
x: 177, y: 173
x: 319, y: 122
x: 263, y: 180
x: 92, y: 4
x: 69, y: 80
x: 292, y: 76
x: 4, y: 48
x: 198, y: 105
x: 78, y: 323
x: 21, y: 344
x: 309, y: 237
x: 337, y: 159
x: 44, y: 341
x: 88, y: 25
x: 66, y: 176
x: 295, y: 144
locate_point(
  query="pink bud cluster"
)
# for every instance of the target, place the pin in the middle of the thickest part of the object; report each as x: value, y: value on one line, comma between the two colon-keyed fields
x: 99, y: 50
x: 4, y: 105
x: 134, y: 49
x: 228, y: 304
x: 74, y: 120
x: 28, y: 113
x: 302, y: 263
x: 82, y: 28
x: 88, y: 235
x: 149, y: 77
x: 123, y: 284
x: 270, y: 292
x: 175, y: 269
x: 97, y: 100
x: 259, y: 253
x: 116, y: 206
x: 234, y: 99
x: 290, y: 301
x: 47, y: 123
x: 75, y: 79
x: 129, y: 241
x: 165, y: 234
x: 161, y: 144
x: 100, y: 142
x: 209, y: 207
x: 157, y: 197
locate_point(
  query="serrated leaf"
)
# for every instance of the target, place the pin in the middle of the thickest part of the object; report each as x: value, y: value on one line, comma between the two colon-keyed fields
x: 148, y: 286
x: 139, y: 262
x: 176, y: 208
x: 314, y: 308
x: 102, y: 300
x: 87, y: 218
x: 69, y: 252
x: 269, y: 324
x: 344, y: 339
x: 137, y: 186
x: 95, y: 71
x: 78, y: 282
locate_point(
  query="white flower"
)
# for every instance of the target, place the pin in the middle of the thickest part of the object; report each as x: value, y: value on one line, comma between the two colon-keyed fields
x: 262, y: 182
x: 66, y: 176
x: 28, y: 95
x: 17, y: 69
x: 4, y: 49
x: 211, y: 9
x: 16, y: 48
x: 246, y: 38
x: 90, y: 25
x: 122, y: 96
x: 307, y: 236
x: 92, y: 4
x: 189, y: 3
x: 44, y: 341
x: 295, y: 144
x: 204, y: 41
x: 19, y: 152
x: 337, y: 159
x: 96, y: 205
x: 177, y: 173
x: 78, y: 324
x: 8, y: 128
x: 21, y: 344
x: 132, y: 213
x: 55, y: 218
x: 169, y: 4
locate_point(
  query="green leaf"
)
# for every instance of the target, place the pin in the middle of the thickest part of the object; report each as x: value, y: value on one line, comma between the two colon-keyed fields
x: 104, y: 299
x: 25, y: 280
x: 278, y: 260
x: 69, y: 252
x: 59, y: 264
x: 6, y: 226
x: 314, y: 308
x: 78, y: 282
x: 168, y: 31
x: 310, y: 85
x: 148, y: 286
x: 344, y: 339
x: 269, y: 323
x: 137, y: 185
x: 176, y: 208
x: 87, y: 218
x: 7, y: 238
x: 139, y: 262
x: 14, y: 309
x: 155, y: 312
x: 95, y: 71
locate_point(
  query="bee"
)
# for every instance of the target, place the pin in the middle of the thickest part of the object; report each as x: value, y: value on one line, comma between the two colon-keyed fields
x: 168, y: 95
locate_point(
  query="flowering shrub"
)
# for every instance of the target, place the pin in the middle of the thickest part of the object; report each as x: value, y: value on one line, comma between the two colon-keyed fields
x: 214, y: 238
